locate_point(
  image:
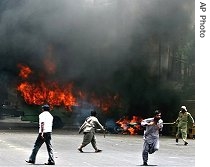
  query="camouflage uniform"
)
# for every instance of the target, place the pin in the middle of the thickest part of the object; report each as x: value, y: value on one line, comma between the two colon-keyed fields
x: 182, y: 124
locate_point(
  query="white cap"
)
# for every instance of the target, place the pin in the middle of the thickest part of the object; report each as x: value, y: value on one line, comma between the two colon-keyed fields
x: 183, y: 107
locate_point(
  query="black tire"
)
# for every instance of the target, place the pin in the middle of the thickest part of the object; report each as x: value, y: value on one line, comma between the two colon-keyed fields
x: 57, y: 123
x: 118, y: 129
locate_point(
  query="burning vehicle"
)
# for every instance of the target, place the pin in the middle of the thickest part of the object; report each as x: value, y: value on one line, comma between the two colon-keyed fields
x: 67, y: 106
x: 40, y: 92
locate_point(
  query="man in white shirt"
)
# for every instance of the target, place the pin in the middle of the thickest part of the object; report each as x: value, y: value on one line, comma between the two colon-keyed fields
x: 151, y: 135
x: 45, y: 131
x: 88, y: 128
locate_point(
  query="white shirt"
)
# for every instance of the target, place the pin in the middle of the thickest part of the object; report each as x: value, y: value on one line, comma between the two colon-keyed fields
x: 47, y: 118
x: 152, y: 131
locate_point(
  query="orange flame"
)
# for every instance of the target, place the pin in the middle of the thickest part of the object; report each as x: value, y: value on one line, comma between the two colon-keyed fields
x: 25, y: 71
x: 55, y: 95
x: 45, y: 92
x: 130, y: 126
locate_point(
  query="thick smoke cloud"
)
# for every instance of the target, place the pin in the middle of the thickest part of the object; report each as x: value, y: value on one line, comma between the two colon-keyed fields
x: 97, y: 44
x: 79, y: 34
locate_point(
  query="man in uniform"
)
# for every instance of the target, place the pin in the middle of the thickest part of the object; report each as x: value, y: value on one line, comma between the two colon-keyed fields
x: 182, y: 124
x: 45, y: 131
x: 88, y: 128
x: 151, y: 135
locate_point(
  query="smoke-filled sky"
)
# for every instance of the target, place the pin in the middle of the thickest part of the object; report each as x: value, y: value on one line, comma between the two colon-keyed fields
x: 86, y: 41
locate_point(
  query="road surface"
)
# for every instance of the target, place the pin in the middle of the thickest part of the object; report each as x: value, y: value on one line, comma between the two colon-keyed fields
x: 118, y: 150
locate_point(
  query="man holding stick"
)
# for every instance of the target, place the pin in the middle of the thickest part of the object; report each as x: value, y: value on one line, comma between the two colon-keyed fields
x: 88, y: 128
x: 182, y: 124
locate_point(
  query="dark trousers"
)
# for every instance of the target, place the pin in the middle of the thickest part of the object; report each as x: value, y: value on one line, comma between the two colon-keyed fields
x: 38, y: 144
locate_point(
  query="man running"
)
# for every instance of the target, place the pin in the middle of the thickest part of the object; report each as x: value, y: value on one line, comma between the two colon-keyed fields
x: 151, y: 135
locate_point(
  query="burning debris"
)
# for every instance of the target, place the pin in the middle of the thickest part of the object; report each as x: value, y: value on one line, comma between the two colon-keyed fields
x: 129, y: 126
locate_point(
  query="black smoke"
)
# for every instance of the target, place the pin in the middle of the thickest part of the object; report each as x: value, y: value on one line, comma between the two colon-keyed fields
x: 99, y: 45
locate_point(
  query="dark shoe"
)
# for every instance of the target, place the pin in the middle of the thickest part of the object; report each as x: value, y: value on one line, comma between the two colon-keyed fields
x: 97, y: 151
x: 30, y: 161
x: 50, y: 163
x: 80, y: 150
x: 185, y: 143
x: 145, y: 164
x: 177, y: 140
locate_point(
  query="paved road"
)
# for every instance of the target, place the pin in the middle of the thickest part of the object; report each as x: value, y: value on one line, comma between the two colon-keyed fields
x: 118, y: 150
